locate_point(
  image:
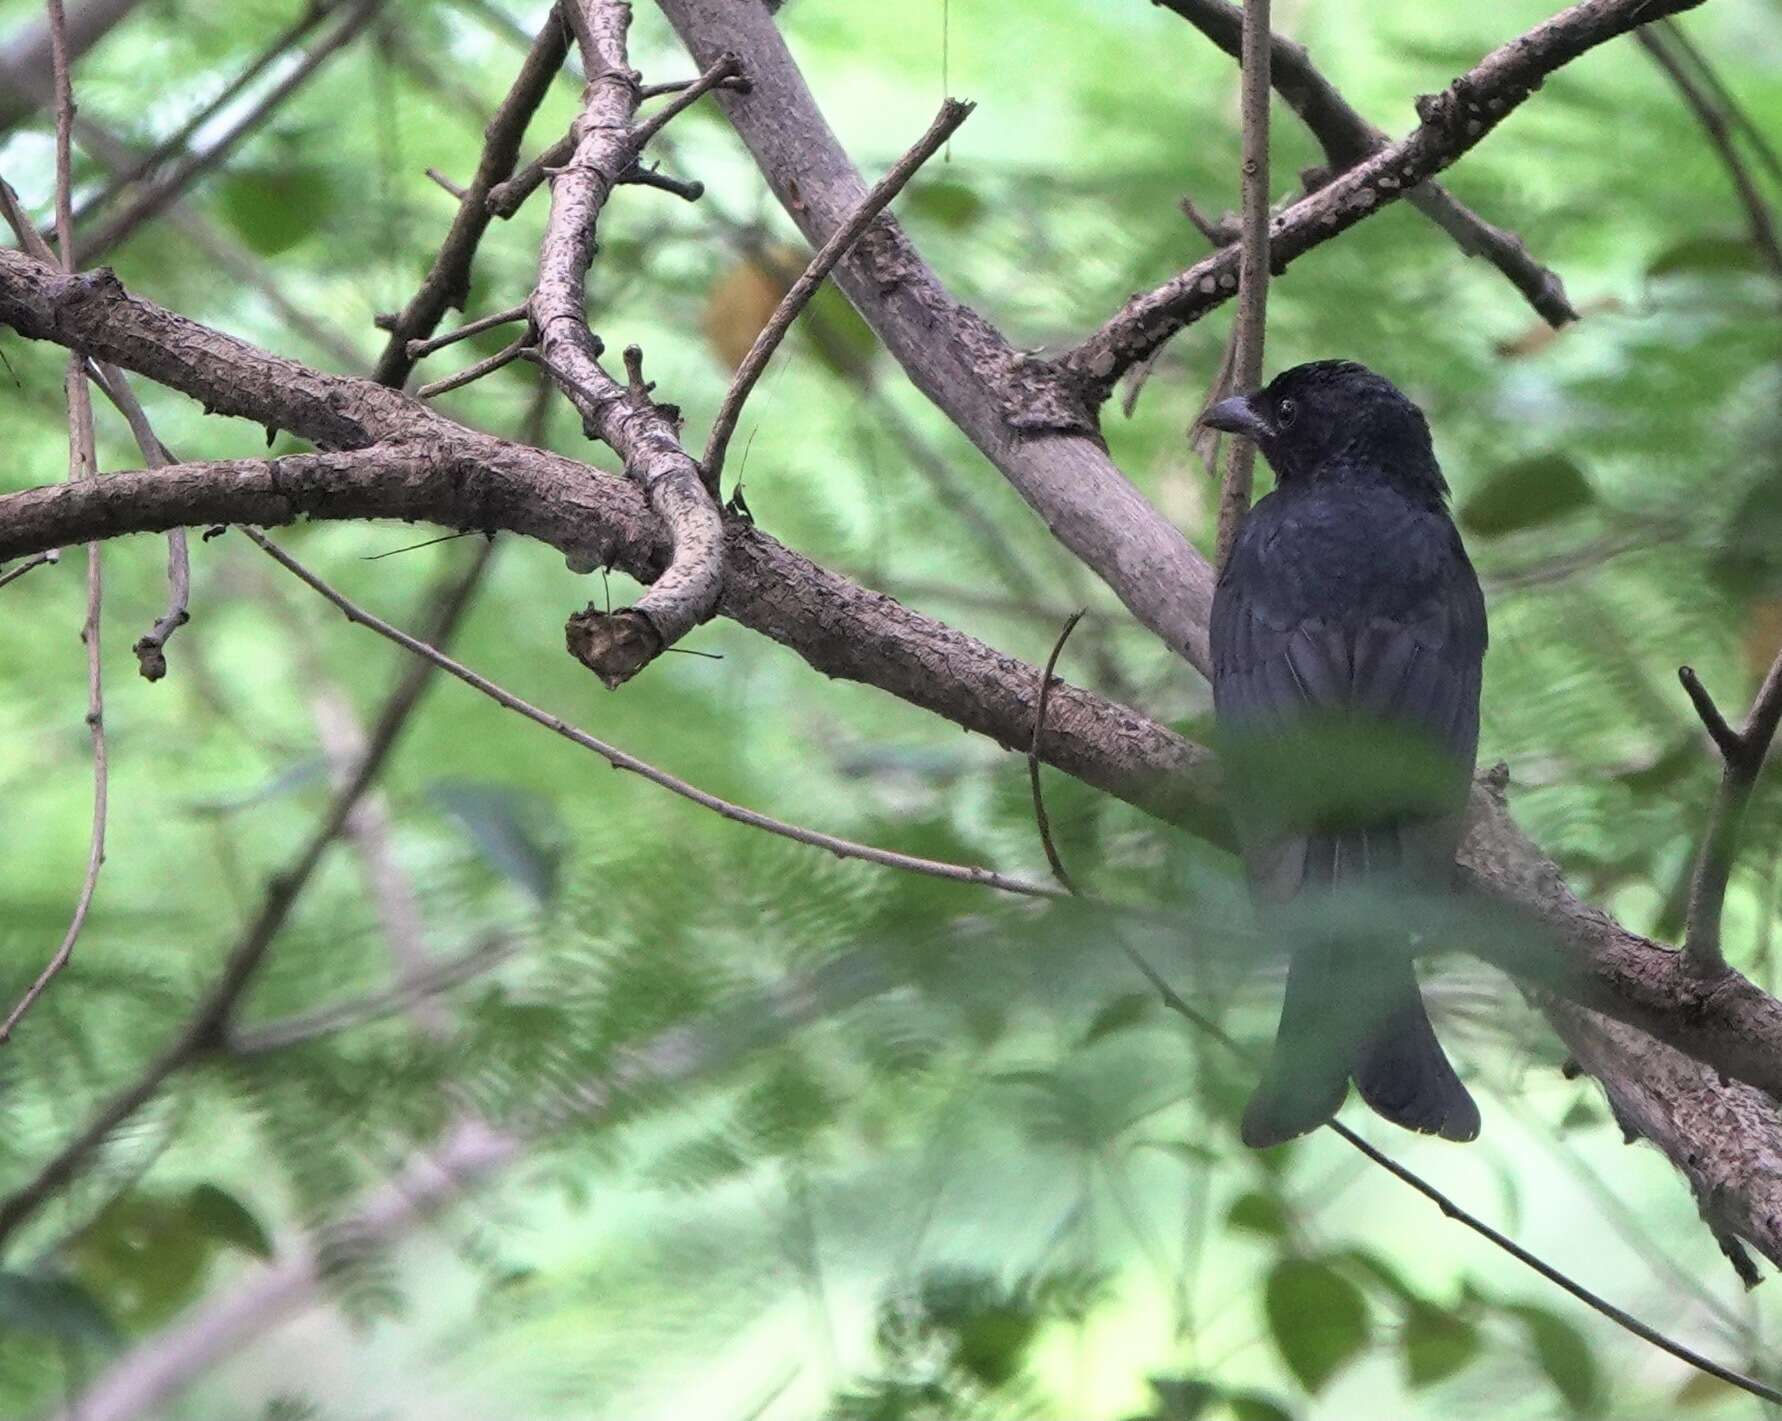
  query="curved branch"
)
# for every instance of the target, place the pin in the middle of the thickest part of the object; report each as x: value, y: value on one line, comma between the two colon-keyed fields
x: 1454, y: 121
x: 616, y: 646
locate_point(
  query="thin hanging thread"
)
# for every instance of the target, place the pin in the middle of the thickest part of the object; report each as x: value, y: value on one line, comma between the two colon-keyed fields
x: 946, y: 66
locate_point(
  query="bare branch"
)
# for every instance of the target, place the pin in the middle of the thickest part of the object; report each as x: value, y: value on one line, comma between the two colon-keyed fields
x: 620, y: 760
x: 160, y: 194
x: 421, y: 349
x: 83, y: 464
x: 1347, y: 138
x: 1716, y: 122
x: 508, y: 353
x: 767, y: 340
x: 1743, y: 753
x: 206, y: 1030
x: 1014, y: 406
x: 1454, y: 121
x: 1595, y: 1301
x: 616, y: 646
x: 36, y: 560
x: 1240, y: 459
x: 447, y: 284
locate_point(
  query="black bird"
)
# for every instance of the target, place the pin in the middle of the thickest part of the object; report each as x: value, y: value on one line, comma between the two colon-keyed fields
x: 1348, y: 632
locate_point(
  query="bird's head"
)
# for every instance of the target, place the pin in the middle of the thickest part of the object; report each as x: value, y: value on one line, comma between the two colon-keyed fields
x: 1336, y: 419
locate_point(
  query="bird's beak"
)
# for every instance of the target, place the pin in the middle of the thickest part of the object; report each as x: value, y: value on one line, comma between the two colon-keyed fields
x: 1237, y: 415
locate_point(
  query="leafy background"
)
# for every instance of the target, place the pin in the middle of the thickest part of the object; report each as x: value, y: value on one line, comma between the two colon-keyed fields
x: 992, y: 1177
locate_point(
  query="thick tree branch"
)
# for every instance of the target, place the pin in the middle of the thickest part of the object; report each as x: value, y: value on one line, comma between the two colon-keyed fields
x: 1347, y: 139
x: 1027, y: 421
x: 1454, y: 121
x: 427, y: 467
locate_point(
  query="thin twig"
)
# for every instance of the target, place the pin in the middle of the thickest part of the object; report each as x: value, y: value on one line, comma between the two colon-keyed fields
x: 206, y: 1029
x: 1594, y: 1301
x: 1741, y: 117
x: 157, y: 196
x: 36, y: 560
x: 421, y: 349
x: 1743, y: 753
x: 487, y: 366
x: 1717, y: 124
x: 619, y: 759
x: 728, y: 66
x: 952, y: 113
x: 1240, y: 459
x: 302, y: 1027
x: 82, y: 464
x: 1040, y: 817
x: 507, y: 198
x: 443, y: 181
x: 736, y: 83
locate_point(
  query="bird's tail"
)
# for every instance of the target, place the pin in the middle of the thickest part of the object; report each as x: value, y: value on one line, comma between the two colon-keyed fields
x: 1360, y: 1019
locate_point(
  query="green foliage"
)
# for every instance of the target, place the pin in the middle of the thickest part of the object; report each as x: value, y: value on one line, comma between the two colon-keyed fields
x: 808, y: 1139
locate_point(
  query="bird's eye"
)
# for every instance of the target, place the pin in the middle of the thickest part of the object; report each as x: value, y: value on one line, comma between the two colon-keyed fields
x: 1286, y: 413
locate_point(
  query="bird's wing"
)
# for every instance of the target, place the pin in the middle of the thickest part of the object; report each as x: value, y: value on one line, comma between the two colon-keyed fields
x: 1314, y: 621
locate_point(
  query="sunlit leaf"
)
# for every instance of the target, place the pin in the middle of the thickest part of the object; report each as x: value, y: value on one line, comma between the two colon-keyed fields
x: 1436, y: 1345
x: 219, y: 1215
x: 1565, y: 1356
x: 1317, y: 1317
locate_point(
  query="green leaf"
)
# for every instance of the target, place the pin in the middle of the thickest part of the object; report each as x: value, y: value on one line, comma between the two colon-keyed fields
x: 1258, y: 1213
x: 1436, y: 1345
x: 54, y: 1307
x: 1254, y: 1406
x: 145, y: 1256
x: 1125, y: 1011
x: 1714, y: 255
x: 1564, y: 1355
x: 273, y: 209
x: 1181, y: 1398
x: 950, y: 204
x: 1526, y: 494
x: 225, y: 1219
x: 1317, y: 1317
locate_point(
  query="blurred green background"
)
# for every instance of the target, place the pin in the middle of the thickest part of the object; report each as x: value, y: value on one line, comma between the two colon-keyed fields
x: 905, y: 1150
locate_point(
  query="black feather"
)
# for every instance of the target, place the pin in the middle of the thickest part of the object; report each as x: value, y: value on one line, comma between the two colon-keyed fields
x: 1348, y: 606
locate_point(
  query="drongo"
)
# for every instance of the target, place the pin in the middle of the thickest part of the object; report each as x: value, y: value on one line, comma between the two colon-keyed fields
x: 1348, y: 632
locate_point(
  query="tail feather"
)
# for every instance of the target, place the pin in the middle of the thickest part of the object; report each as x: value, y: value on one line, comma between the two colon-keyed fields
x: 1356, y: 1014
x: 1403, y: 1074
